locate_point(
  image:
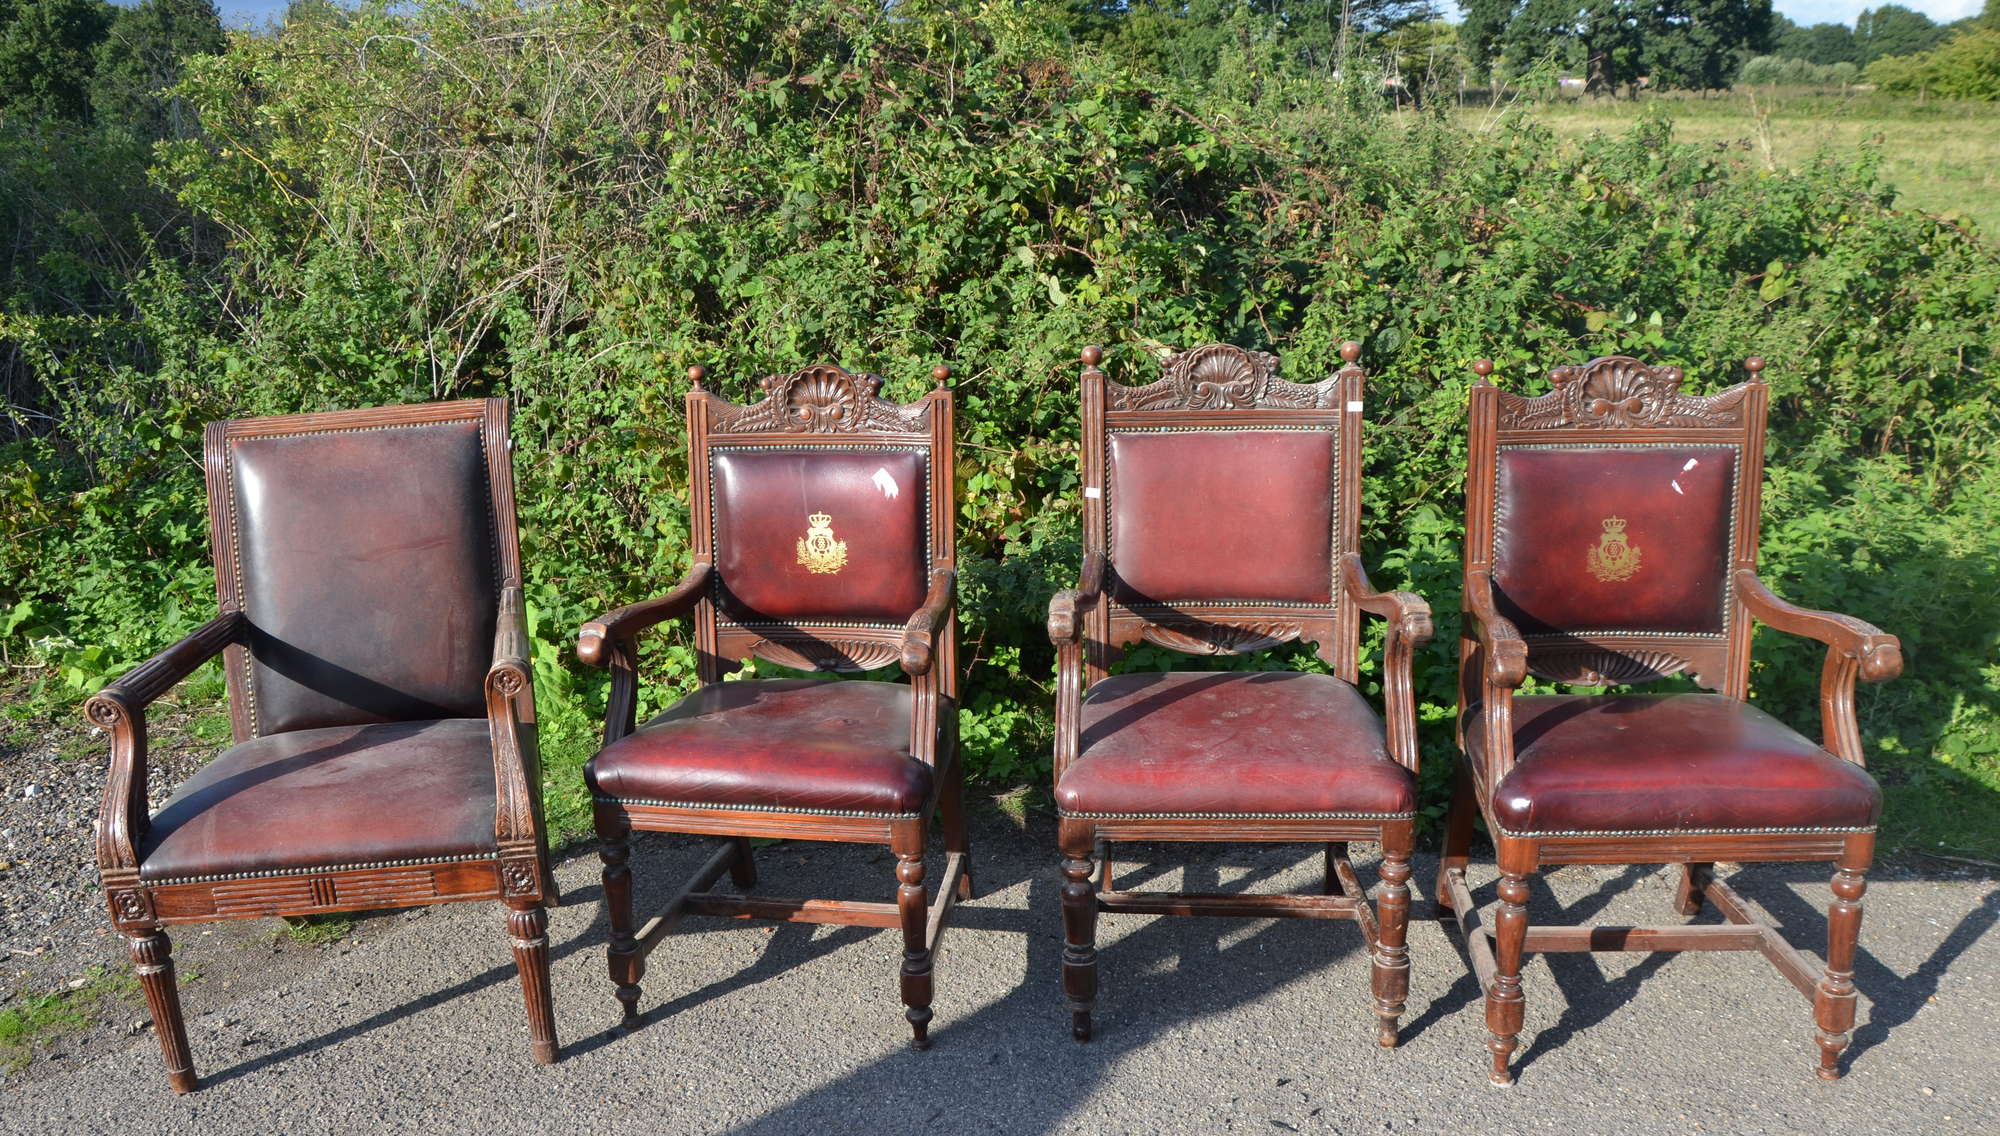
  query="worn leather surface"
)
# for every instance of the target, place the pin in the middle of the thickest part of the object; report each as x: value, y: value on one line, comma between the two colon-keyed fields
x: 1232, y: 742
x: 355, y: 794
x: 876, y: 502
x: 369, y: 574
x: 1676, y: 505
x: 1222, y: 515
x: 787, y: 743
x: 1668, y: 762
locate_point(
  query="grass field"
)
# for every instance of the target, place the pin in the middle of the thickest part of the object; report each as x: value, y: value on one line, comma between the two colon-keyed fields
x: 1942, y: 157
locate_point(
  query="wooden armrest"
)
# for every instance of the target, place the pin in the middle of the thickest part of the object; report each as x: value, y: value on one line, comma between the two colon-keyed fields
x: 1876, y: 654
x: 1407, y: 612
x: 1066, y: 607
x: 508, y: 674
x: 1506, y: 652
x: 920, y: 632
x: 626, y: 623
x: 120, y: 710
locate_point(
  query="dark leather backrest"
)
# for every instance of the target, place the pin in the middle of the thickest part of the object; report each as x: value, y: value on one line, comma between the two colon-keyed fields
x: 1220, y: 498
x: 367, y: 551
x: 824, y: 510
x: 1612, y: 512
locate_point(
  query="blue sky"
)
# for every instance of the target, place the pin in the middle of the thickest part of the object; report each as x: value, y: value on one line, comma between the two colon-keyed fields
x: 253, y: 12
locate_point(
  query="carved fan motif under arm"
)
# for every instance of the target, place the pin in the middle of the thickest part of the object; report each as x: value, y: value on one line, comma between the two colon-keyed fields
x: 1617, y: 392
x: 1221, y: 377
x: 822, y: 399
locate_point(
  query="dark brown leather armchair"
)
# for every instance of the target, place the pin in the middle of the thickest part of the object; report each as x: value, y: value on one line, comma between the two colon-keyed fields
x: 822, y: 542
x: 383, y: 719
x: 1611, y: 539
x: 1221, y: 516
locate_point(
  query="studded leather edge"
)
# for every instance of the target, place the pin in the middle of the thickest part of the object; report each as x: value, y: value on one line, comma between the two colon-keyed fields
x: 1804, y: 830
x: 711, y: 807
x: 323, y: 869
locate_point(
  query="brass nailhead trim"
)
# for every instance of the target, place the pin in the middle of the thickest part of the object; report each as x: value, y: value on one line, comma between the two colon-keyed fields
x: 1236, y: 816
x: 1803, y: 830
x: 703, y: 806
x: 326, y: 868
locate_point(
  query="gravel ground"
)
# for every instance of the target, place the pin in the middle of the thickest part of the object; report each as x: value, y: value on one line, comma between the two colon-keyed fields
x: 1207, y: 1025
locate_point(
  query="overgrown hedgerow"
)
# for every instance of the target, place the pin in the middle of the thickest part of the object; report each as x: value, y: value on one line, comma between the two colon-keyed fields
x: 570, y: 203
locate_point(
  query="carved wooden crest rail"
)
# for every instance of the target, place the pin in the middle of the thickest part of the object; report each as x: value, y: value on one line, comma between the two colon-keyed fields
x: 1616, y: 392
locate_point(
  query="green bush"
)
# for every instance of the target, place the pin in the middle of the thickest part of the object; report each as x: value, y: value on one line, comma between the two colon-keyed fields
x: 568, y: 204
x: 1964, y: 67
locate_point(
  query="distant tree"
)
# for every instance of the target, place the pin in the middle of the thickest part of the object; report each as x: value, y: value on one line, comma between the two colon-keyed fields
x: 1481, y: 25
x: 1820, y: 43
x: 141, y: 56
x: 1967, y: 67
x: 45, y: 56
x: 1893, y: 30
x: 1598, y: 39
x: 1700, y: 44
x: 1989, y: 16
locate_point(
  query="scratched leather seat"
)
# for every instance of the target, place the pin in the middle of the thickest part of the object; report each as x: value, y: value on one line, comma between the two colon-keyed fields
x: 373, y: 640
x: 823, y: 543
x: 1221, y: 517
x: 1611, y: 539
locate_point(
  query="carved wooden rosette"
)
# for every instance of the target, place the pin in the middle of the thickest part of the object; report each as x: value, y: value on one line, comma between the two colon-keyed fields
x: 1610, y: 402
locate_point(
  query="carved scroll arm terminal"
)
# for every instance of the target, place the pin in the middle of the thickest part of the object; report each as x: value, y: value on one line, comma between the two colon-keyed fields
x: 120, y: 710
x: 1066, y: 612
x: 510, y: 723
x: 920, y: 633
x: 1409, y: 628
x: 1855, y: 650
x: 609, y: 641
x: 1503, y: 655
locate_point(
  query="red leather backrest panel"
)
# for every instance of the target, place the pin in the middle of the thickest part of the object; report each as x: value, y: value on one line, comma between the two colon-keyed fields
x: 1238, y: 514
x: 368, y: 570
x: 820, y: 533
x: 1602, y: 539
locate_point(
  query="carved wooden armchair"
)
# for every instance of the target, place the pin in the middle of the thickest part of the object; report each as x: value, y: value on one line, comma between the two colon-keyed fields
x: 384, y: 726
x: 1611, y: 539
x: 822, y: 542
x: 1221, y: 514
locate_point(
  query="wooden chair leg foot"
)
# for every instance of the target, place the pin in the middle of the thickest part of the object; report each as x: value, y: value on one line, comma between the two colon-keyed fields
x: 528, y: 927
x: 1504, y: 1000
x: 626, y: 963
x: 153, y: 965
x: 1079, y: 911
x: 1390, y: 975
x: 1834, y: 999
x: 916, y: 974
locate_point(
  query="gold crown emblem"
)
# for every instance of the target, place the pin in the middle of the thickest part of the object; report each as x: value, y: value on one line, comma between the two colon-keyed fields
x: 825, y: 520
x: 1614, y: 524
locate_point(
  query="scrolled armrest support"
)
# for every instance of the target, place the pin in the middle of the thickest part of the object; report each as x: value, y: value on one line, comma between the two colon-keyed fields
x: 1409, y: 628
x: 920, y: 633
x: 1506, y: 652
x: 1067, y: 607
x: 1855, y: 651
x: 625, y: 624
x: 120, y: 711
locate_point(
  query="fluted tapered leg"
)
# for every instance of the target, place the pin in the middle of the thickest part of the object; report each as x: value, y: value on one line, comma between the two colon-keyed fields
x: 916, y: 951
x: 153, y: 965
x: 1391, y: 971
x: 1504, y: 1001
x: 1079, y: 913
x: 528, y: 927
x: 627, y: 964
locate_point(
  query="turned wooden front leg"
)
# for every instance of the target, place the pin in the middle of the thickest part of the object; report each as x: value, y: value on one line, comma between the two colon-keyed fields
x: 528, y: 927
x: 626, y: 962
x: 1079, y: 914
x: 1391, y: 971
x: 916, y: 951
x: 153, y: 965
x: 1834, y: 1001
x: 1504, y: 1002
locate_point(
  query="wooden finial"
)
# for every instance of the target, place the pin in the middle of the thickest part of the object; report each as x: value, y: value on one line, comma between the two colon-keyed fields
x: 1482, y: 368
x: 940, y: 373
x: 696, y: 374
x: 1755, y: 365
x: 1093, y: 355
x: 1350, y: 351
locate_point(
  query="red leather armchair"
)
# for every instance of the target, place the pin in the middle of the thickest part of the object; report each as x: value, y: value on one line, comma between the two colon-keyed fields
x: 1221, y: 517
x: 383, y: 717
x: 822, y: 542
x: 1611, y: 540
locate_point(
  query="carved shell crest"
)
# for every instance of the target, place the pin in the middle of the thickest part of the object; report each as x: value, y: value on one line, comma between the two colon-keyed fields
x: 1221, y: 377
x: 1221, y: 638
x: 822, y: 399
x: 817, y: 653
x: 1619, y: 392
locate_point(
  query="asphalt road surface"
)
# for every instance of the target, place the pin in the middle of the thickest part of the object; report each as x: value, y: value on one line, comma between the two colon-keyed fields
x: 1204, y: 1025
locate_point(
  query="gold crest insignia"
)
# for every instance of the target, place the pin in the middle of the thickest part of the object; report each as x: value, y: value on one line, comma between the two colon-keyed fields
x: 818, y: 551
x: 1613, y: 558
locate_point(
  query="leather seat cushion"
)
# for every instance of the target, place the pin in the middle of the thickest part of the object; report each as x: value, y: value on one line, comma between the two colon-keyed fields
x: 1668, y: 763
x: 836, y: 745
x: 356, y: 794
x: 1232, y: 743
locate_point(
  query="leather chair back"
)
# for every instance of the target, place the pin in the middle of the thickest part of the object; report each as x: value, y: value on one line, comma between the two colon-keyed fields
x: 824, y: 509
x: 1220, y: 498
x: 368, y: 549
x: 1613, y: 512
